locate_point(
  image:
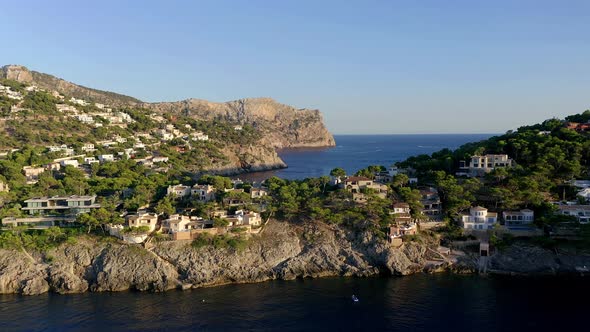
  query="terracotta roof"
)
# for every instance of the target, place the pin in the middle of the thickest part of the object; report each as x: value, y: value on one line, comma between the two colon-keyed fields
x: 478, y: 208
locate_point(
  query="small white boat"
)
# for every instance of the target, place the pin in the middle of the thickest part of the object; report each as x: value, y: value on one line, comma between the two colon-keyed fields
x: 354, y: 298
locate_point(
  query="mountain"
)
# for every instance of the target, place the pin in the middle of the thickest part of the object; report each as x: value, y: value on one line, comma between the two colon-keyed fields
x: 282, y: 126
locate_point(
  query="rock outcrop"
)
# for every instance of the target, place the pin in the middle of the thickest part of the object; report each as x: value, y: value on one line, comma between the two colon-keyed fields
x: 282, y: 251
x: 522, y: 259
x: 283, y: 126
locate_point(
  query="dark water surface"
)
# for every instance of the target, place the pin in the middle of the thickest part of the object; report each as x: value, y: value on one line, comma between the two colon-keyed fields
x: 421, y: 302
x: 354, y: 152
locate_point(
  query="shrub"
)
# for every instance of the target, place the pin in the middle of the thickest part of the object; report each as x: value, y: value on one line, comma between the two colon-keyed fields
x: 201, y: 240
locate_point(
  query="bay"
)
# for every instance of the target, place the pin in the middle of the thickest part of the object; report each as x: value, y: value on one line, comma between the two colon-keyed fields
x: 354, y: 152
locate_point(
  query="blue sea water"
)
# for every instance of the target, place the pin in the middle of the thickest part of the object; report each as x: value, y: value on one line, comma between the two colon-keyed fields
x: 354, y: 152
x: 442, y: 302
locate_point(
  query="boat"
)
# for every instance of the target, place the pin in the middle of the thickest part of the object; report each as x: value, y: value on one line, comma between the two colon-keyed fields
x: 354, y: 298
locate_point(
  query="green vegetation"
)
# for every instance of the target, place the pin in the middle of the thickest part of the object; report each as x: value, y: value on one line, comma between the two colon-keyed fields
x: 238, y: 243
x: 41, y: 103
x: 20, y: 238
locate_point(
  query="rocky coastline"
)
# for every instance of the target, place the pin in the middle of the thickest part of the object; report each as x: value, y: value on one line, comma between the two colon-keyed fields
x: 282, y: 251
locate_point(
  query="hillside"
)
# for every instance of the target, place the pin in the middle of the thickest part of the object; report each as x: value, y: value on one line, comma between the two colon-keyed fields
x: 48, y: 82
x: 281, y: 126
x: 546, y: 158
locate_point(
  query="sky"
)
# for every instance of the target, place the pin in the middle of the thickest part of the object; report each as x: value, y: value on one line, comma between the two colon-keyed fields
x: 371, y: 67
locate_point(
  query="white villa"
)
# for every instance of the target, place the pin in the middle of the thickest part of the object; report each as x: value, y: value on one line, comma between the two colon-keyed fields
x: 356, y: 184
x: 90, y: 161
x: 581, y: 212
x: 258, y: 192
x: 88, y: 147
x: 203, y: 193
x: 105, y: 158
x: 179, y: 190
x: 145, y: 219
x: 518, y: 218
x: 480, y: 165
x: 199, y: 136
x: 479, y: 218
x: 179, y: 223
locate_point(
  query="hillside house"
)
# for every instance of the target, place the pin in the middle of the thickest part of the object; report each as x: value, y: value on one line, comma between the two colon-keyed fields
x: 578, y: 126
x: 90, y: 161
x: 32, y: 173
x: 359, y: 185
x: 88, y: 147
x: 431, y: 202
x: 243, y: 218
x: 517, y: 219
x: 179, y: 190
x: 478, y: 218
x: 480, y: 165
x: 199, y: 136
x: 60, y: 205
x: 401, y: 212
x: 180, y: 223
x: 203, y: 193
x: 106, y: 158
x: 144, y: 219
x: 69, y: 162
x: 581, y: 212
x: 258, y: 193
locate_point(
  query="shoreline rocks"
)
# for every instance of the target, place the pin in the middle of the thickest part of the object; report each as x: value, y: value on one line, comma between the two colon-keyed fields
x: 284, y: 251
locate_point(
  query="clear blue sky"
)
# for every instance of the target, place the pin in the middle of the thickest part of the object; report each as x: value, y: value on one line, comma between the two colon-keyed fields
x: 369, y: 66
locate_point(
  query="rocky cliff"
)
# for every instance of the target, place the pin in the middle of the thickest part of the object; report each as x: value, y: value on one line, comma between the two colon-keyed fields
x: 282, y: 251
x: 282, y: 126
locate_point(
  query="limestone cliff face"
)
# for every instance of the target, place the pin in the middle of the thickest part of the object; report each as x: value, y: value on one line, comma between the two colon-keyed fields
x: 247, y: 158
x: 283, y: 126
x: 282, y: 251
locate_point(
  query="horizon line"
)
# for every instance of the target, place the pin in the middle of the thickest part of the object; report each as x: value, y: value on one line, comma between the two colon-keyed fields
x: 391, y: 134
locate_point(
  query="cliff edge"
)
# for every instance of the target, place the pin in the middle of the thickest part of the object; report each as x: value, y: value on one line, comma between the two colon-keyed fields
x: 282, y: 251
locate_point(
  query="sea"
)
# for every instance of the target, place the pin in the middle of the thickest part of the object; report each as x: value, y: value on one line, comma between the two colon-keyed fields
x: 355, y: 152
x: 421, y: 302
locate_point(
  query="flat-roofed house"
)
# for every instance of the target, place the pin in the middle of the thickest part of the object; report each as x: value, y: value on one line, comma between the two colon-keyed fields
x: 480, y: 165
x: 63, y: 205
x: 518, y: 218
x: 581, y: 212
x: 358, y: 185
